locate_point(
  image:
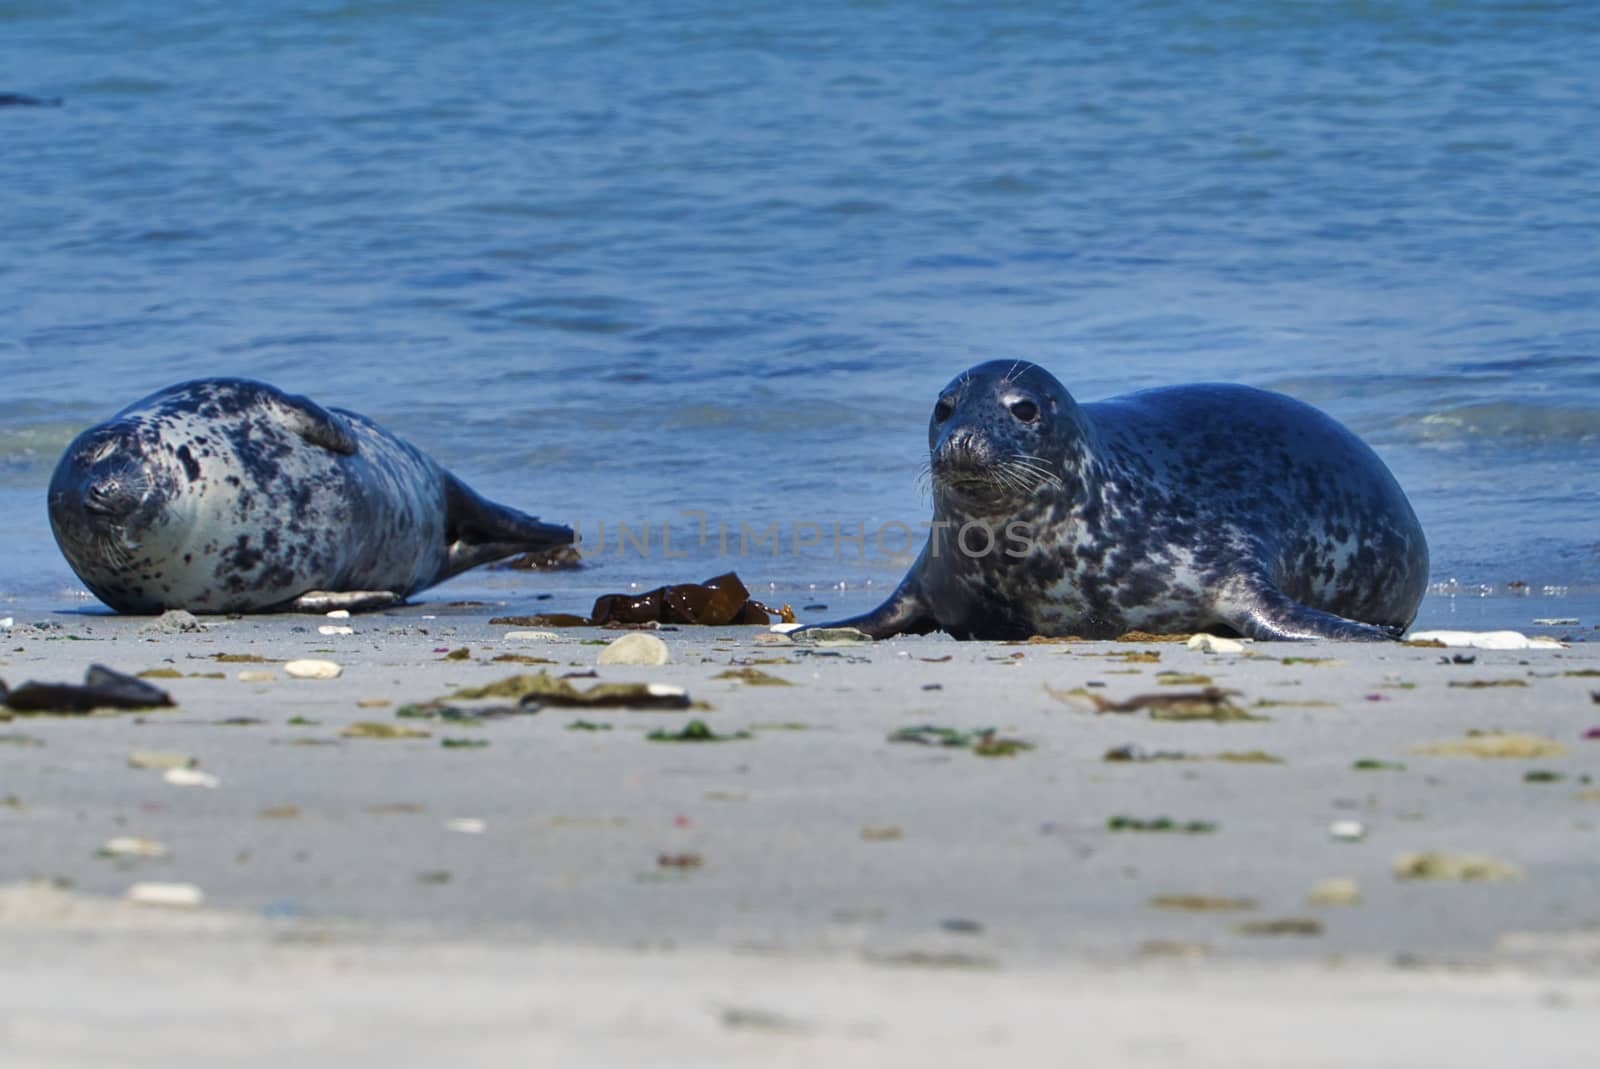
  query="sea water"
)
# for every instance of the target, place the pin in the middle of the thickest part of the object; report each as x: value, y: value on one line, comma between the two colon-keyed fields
x: 689, y: 275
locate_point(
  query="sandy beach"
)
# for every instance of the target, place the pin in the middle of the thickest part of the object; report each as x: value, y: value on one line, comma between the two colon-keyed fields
x: 913, y: 850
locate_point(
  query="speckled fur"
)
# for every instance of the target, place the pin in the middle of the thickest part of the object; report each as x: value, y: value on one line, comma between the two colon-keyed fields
x: 227, y: 495
x: 1209, y: 507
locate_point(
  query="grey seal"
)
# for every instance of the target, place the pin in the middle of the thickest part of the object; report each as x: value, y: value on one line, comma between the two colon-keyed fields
x: 1207, y: 507
x: 229, y: 495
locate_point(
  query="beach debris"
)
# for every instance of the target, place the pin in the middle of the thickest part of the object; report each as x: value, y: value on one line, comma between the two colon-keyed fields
x: 191, y: 777
x: 160, y: 673
x: 337, y: 614
x: 172, y: 622
x: 102, y: 688
x: 241, y: 658
x: 1182, y: 679
x: 1208, y: 703
x: 7, y: 623
x: 1133, y: 753
x: 313, y: 669
x: 1543, y: 775
x: 466, y: 825
x: 161, y: 760
x: 1457, y: 868
x: 1479, y: 684
x: 17, y: 738
x: 719, y: 601
x: 1347, y: 831
x: 587, y: 725
x: 463, y: 744
x: 541, y: 688
x: 1300, y: 926
x: 696, y: 731
x: 279, y: 812
x: 1215, y: 644
x: 985, y: 742
x: 167, y: 895
x: 882, y: 833
x: 1372, y: 764
x: 1146, y: 636
x: 1248, y: 757
x: 826, y: 637
x: 522, y: 658
x: 759, y: 1020
x: 255, y: 675
x: 434, y: 877
x: 1192, y: 903
x: 132, y: 846
x: 635, y: 648
x: 464, y: 653
x: 373, y: 729
x: 1494, y: 744
x: 1483, y: 640
x: 336, y: 629
x: 551, y: 559
x: 1334, y: 892
x: 683, y: 862
x: 754, y: 677
x: 532, y: 636
x: 1161, y: 824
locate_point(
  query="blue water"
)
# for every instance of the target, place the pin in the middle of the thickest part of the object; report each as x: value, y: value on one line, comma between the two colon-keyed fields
x: 619, y: 262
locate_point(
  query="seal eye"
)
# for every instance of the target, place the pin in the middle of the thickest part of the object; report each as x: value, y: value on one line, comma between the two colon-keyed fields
x: 1026, y: 411
x: 942, y: 410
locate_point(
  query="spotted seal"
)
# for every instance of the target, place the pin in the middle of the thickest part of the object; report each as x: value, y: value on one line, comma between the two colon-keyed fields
x: 228, y: 495
x: 1208, y: 507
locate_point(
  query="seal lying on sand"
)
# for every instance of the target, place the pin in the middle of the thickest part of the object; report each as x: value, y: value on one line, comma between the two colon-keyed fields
x: 227, y: 495
x: 1188, y: 508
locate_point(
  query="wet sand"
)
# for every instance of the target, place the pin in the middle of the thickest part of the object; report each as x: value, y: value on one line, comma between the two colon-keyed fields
x: 815, y: 889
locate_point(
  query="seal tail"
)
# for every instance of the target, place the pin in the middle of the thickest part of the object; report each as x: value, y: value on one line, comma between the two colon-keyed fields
x: 478, y: 530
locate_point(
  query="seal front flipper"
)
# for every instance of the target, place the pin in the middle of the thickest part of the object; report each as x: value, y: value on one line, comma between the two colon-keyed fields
x: 349, y: 600
x: 904, y: 613
x: 1266, y: 614
x: 313, y: 423
x: 478, y: 530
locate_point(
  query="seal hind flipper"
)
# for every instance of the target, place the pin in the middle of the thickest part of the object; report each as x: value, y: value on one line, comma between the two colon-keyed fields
x: 349, y: 600
x: 1267, y: 614
x: 478, y: 530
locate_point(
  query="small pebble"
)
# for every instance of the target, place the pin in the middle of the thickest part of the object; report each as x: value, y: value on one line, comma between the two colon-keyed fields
x: 466, y: 826
x: 175, y: 895
x: 1214, y: 644
x: 191, y: 777
x: 335, y: 629
x: 256, y: 676
x: 132, y: 846
x: 313, y: 669
x: 1348, y: 830
x: 339, y: 614
x: 635, y: 648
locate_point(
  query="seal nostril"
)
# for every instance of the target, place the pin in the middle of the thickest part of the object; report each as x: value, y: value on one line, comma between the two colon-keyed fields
x: 1026, y: 411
